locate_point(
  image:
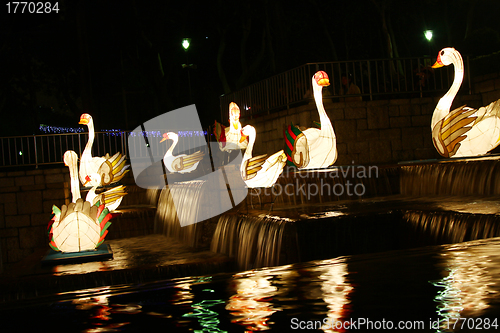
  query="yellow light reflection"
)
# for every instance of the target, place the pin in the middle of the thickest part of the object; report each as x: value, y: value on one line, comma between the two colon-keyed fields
x: 250, y: 306
x: 465, y: 287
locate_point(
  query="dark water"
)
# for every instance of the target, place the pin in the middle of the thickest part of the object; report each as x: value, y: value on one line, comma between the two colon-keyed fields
x: 415, y: 288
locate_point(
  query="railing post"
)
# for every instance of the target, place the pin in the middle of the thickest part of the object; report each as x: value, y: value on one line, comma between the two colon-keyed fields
x: 36, y: 153
x: 369, y: 80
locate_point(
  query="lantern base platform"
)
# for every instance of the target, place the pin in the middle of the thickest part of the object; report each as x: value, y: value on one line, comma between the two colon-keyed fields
x: 103, y: 252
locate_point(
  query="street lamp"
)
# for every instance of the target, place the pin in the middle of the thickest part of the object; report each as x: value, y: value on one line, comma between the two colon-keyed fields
x: 427, y: 34
x: 186, y: 42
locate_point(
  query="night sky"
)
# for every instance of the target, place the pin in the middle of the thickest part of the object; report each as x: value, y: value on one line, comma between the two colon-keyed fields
x: 121, y: 60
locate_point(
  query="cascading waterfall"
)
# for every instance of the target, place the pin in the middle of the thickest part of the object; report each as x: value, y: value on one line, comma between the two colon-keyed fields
x: 255, y: 241
x: 452, y: 227
x: 477, y: 177
x: 170, y: 213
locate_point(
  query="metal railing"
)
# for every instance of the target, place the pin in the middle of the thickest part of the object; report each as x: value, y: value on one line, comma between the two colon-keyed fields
x: 47, y: 149
x: 377, y: 79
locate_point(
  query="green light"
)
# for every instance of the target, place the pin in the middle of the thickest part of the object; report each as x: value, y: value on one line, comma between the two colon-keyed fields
x: 186, y: 43
x: 20, y: 153
x: 428, y: 34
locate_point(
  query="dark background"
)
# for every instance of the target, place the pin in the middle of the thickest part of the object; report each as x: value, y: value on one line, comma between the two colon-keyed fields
x: 121, y: 61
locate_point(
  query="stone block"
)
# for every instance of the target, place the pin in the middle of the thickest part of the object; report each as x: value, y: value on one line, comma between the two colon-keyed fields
x: 415, y: 110
x: 16, y: 221
x: 39, y: 179
x: 2, y: 217
x: 334, y: 114
x: 34, y: 172
x: 10, y: 232
x: 6, y: 182
x: 11, y: 189
x: 55, y: 178
x: 393, y: 111
x: 16, y: 255
x: 7, y: 198
x: 52, y: 171
x: 378, y: 117
x: 40, y: 219
x: 412, y: 141
x: 33, y: 187
x: 30, y: 202
x: 421, y: 121
x: 32, y: 237
x: 15, y: 173
x: 358, y: 147
x: 345, y: 130
x: 390, y: 133
x: 368, y: 135
x: 400, y: 122
x: 10, y: 208
x: 396, y: 145
x: 355, y: 113
x: 53, y: 194
x: 405, y: 110
x: 380, y: 151
x: 361, y: 124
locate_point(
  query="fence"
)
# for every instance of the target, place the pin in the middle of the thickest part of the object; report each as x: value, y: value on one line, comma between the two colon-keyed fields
x: 46, y: 149
x: 377, y: 79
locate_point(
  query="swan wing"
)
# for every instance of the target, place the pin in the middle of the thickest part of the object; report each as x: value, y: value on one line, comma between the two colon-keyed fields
x: 452, y: 129
x: 296, y: 146
x: 253, y: 165
x: 190, y: 160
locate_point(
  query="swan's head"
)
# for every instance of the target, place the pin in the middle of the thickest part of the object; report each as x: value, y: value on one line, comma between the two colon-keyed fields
x: 321, y: 79
x: 234, y: 114
x: 93, y: 179
x: 248, y: 130
x: 85, y: 119
x: 169, y: 136
x: 70, y: 158
x: 447, y: 56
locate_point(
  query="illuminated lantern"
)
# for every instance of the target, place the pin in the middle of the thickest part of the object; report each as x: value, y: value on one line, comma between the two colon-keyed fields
x: 114, y: 168
x: 180, y: 163
x: 78, y: 226
x: 260, y: 171
x: 111, y: 198
x: 464, y: 131
x: 232, y: 137
x: 313, y: 147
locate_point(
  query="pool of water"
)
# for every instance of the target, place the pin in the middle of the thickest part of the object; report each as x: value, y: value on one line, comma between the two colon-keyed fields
x: 445, y: 288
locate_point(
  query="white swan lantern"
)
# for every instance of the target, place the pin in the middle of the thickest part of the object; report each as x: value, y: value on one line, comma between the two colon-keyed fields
x: 464, y: 131
x: 231, y: 137
x: 260, y: 171
x: 314, y: 147
x: 180, y: 163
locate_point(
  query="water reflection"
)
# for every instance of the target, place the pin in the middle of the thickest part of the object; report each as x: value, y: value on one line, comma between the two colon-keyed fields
x: 468, y: 286
x: 251, y: 304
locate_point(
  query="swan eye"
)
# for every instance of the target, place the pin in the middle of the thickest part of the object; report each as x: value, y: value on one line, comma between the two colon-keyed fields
x: 442, y: 53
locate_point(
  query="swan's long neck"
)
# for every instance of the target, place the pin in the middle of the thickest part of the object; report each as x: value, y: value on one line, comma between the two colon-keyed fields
x: 75, y: 182
x: 326, y: 125
x: 87, y: 152
x: 251, y: 133
x: 171, y: 149
x: 444, y: 104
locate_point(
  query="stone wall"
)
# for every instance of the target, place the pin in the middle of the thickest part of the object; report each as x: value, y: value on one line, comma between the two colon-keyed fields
x: 26, y: 199
x: 368, y: 132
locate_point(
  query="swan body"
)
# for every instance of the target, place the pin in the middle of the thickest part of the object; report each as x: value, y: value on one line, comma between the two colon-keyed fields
x: 260, y: 171
x: 232, y: 137
x: 78, y: 226
x: 114, y: 167
x: 111, y: 198
x: 181, y: 163
x: 464, y: 131
x: 313, y: 147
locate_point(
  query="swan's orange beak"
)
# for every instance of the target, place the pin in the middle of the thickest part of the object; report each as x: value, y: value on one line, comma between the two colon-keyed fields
x: 165, y: 137
x: 438, y: 62
x: 87, y: 180
x: 84, y: 119
x: 322, y: 78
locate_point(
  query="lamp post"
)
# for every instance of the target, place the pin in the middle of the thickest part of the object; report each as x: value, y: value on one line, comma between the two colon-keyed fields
x: 186, y: 42
x: 428, y: 35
